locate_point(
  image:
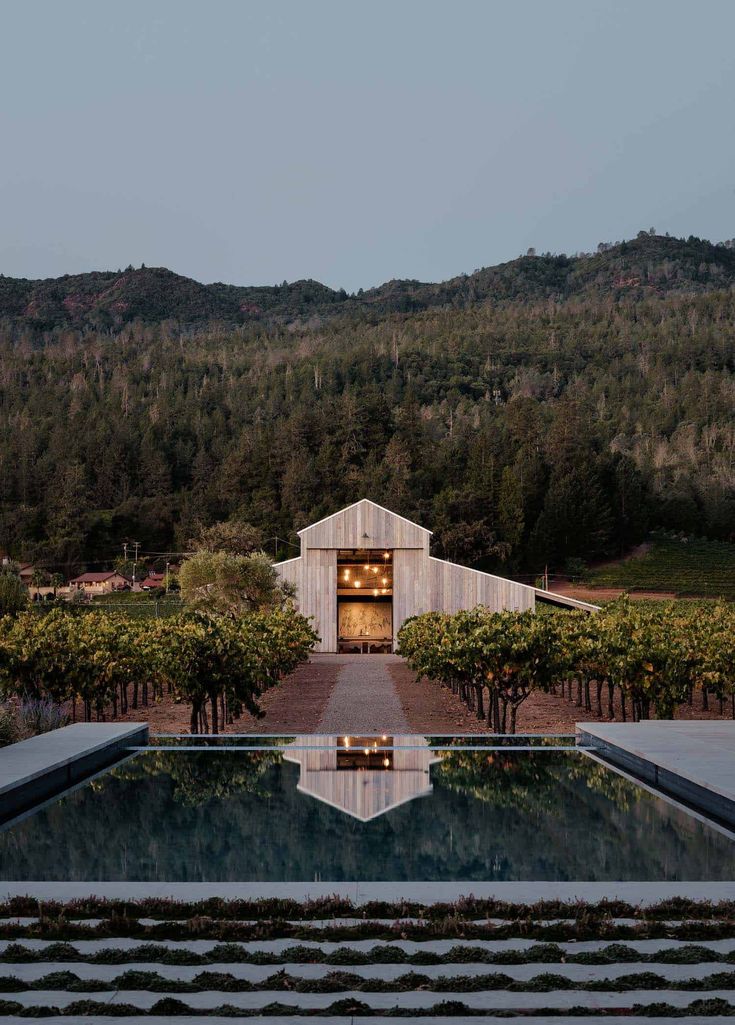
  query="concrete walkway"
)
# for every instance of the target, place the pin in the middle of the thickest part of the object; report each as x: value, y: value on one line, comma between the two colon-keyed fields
x: 364, y: 698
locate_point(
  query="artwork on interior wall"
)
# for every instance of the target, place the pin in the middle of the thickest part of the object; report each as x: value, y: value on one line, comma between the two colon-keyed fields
x: 365, y: 619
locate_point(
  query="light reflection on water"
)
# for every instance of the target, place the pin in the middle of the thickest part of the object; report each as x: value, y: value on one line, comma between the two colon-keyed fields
x: 299, y: 809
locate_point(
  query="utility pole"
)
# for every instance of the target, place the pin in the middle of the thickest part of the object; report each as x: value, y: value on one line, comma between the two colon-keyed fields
x: 136, y: 546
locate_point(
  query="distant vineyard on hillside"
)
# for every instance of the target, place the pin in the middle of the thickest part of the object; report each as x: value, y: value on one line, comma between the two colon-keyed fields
x: 686, y: 566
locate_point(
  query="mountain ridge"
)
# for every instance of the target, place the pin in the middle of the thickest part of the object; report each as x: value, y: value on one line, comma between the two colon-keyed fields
x: 647, y: 265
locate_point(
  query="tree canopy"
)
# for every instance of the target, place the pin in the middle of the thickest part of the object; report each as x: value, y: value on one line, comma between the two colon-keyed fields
x: 552, y: 408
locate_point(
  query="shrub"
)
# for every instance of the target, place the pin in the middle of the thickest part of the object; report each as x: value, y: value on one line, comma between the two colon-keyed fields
x: 13, y: 595
x: 8, y: 726
x: 40, y: 716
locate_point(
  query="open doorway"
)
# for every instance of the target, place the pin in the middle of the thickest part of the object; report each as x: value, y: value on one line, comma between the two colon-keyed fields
x: 364, y: 601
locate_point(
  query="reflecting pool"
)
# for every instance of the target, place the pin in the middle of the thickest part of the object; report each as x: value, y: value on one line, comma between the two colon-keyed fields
x: 382, y: 809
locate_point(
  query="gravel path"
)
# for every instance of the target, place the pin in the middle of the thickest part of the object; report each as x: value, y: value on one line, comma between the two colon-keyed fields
x: 364, y: 699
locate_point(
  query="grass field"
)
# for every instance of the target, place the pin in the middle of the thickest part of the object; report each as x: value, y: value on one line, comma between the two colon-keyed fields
x: 137, y: 605
x: 685, y: 566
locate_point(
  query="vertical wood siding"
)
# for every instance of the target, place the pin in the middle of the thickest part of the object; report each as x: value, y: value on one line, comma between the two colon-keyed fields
x: 453, y: 587
x: 368, y: 793
x: 315, y: 578
x: 347, y: 529
x: 420, y: 582
x: 410, y: 585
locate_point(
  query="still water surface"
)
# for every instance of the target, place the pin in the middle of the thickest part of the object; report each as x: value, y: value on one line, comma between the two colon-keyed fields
x: 243, y: 815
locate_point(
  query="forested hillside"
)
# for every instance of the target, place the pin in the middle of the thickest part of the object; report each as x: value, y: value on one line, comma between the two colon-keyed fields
x: 547, y: 409
x: 648, y: 265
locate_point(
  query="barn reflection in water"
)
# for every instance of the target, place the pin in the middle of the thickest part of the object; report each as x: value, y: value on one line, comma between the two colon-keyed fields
x: 363, y: 776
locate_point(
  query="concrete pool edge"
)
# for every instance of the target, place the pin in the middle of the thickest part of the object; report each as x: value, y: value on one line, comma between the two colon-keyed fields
x: 693, y: 760
x: 36, y: 769
x: 641, y: 893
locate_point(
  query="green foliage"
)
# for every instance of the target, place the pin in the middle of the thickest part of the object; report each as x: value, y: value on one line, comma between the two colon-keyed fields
x: 233, y: 535
x: 8, y: 725
x: 655, y: 655
x: 229, y: 584
x: 684, y: 565
x: 649, y: 264
x: 13, y: 595
x: 547, y: 409
x: 101, y: 660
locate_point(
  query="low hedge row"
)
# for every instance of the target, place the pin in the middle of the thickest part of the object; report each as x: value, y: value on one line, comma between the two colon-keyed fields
x: 171, y: 1007
x: 339, y: 982
x: 338, y: 907
x: 233, y: 953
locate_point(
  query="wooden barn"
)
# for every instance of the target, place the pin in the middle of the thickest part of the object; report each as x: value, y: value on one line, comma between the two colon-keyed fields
x: 364, y: 570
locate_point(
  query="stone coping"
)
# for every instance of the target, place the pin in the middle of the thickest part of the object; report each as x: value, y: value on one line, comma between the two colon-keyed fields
x: 640, y: 893
x: 528, y: 1019
x: 692, y: 760
x: 33, y: 770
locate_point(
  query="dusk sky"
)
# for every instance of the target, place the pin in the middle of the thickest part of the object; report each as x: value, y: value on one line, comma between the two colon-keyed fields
x: 353, y: 143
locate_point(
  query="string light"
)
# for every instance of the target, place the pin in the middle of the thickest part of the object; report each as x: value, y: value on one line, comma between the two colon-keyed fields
x: 358, y: 583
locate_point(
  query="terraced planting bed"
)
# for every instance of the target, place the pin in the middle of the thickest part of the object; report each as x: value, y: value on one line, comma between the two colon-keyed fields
x: 331, y: 959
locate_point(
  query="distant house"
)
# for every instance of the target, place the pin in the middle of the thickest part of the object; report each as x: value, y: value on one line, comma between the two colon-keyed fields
x: 153, y: 581
x: 25, y: 572
x: 99, y: 583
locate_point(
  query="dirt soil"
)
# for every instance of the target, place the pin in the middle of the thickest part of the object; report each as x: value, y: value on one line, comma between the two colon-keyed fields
x: 297, y: 704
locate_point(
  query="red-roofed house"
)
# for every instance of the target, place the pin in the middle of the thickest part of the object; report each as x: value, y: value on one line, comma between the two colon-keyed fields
x: 152, y: 581
x: 99, y: 583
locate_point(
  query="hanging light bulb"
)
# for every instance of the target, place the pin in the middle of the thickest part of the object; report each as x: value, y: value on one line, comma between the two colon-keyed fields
x: 347, y: 574
x: 386, y: 762
x: 375, y: 592
x: 386, y: 555
x: 375, y: 569
x: 384, y: 581
x: 366, y: 567
x: 347, y: 741
x: 358, y: 583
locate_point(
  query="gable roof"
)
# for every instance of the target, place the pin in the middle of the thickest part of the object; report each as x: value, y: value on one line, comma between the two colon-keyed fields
x: 153, y: 581
x: 364, y: 524
x: 96, y: 578
x: 364, y: 502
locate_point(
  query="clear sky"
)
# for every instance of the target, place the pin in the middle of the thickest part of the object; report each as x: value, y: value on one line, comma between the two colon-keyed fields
x: 252, y: 142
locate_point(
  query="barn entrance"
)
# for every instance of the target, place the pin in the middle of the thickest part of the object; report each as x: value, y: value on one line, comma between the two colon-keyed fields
x: 364, y: 601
